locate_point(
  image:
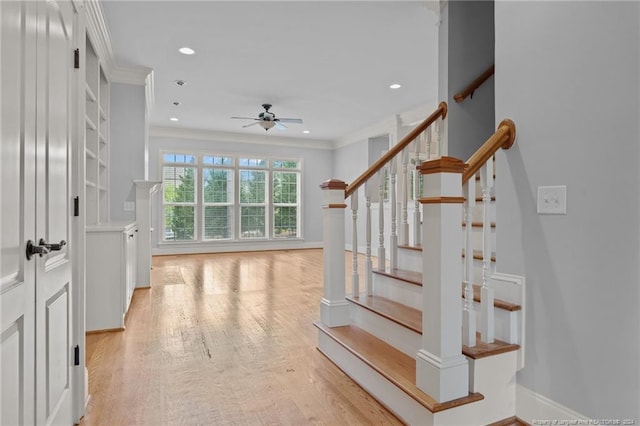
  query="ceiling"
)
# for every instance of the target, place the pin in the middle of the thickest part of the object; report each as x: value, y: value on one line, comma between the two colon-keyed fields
x: 327, y: 62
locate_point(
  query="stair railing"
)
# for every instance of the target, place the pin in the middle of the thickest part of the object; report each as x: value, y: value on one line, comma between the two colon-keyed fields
x: 481, y: 163
x: 334, y: 308
x: 471, y: 88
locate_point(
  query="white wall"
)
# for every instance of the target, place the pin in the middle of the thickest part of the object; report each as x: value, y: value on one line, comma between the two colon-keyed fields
x: 127, y: 146
x: 317, y: 167
x: 467, y: 49
x: 568, y: 74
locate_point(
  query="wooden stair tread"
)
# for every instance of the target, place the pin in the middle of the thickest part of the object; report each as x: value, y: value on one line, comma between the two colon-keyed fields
x: 393, y: 365
x: 483, y: 350
x: 477, y: 254
x: 511, y: 421
x: 412, y: 319
x: 479, y: 224
x: 401, y: 314
x: 479, y: 199
x: 498, y: 303
x: 415, y: 278
x: 411, y: 277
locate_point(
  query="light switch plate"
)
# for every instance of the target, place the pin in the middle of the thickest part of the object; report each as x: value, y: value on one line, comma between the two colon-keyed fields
x: 129, y: 206
x: 552, y: 199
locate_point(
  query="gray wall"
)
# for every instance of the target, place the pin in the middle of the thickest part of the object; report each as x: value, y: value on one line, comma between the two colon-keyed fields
x: 568, y: 74
x: 317, y: 167
x: 466, y: 50
x: 127, y: 146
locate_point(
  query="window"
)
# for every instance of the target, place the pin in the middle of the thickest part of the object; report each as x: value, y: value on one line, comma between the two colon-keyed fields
x: 242, y: 198
x: 179, y: 197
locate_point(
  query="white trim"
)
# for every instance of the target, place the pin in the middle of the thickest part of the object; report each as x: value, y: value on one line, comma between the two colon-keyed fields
x: 532, y: 406
x: 130, y: 75
x: 150, y: 92
x: 233, y: 247
x: 512, y: 289
x: 99, y: 34
x: 211, y: 135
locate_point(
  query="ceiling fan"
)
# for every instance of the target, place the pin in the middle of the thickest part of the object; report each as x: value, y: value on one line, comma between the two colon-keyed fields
x: 268, y: 119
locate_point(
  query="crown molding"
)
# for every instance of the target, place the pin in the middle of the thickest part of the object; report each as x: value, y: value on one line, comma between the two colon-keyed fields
x: 99, y: 35
x: 130, y: 75
x: 210, y: 135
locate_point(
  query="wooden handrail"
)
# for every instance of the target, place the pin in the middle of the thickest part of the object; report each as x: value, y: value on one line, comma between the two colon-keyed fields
x: 461, y: 96
x: 441, y: 111
x: 504, y: 137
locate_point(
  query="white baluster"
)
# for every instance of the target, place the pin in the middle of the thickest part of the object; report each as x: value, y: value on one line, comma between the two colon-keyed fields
x: 355, y: 278
x: 404, y: 226
x: 469, y: 314
x: 438, y: 128
x: 381, y: 252
x: 369, y: 191
x: 486, y: 293
x: 417, y: 232
x: 428, y: 131
x: 393, y: 171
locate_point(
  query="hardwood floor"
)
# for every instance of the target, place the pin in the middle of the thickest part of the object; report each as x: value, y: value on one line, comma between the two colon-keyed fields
x: 225, y: 339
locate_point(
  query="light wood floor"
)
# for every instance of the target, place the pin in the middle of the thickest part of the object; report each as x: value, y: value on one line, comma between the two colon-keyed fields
x: 224, y: 339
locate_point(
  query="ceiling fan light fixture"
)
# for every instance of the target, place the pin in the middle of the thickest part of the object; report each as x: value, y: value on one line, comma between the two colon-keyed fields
x: 266, y: 125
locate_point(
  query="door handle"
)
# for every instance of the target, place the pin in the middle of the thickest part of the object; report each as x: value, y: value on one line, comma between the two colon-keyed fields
x: 33, y: 249
x: 52, y: 247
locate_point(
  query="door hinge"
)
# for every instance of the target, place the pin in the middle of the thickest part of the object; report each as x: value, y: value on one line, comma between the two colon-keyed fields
x: 76, y: 355
x: 76, y: 59
x: 76, y: 206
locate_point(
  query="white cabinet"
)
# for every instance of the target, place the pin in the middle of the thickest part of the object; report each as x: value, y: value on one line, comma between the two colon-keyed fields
x: 111, y: 274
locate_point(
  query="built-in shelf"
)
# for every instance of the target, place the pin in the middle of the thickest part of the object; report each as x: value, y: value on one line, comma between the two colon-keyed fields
x: 90, y: 154
x: 103, y: 139
x: 90, y: 124
x: 90, y: 184
x: 102, y: 188
x: 103, y: 115
x: 102, y: 164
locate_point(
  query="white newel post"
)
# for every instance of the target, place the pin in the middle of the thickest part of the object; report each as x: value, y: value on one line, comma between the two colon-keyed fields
x: 441, y: 369
x: 393, y: 244
x: 468, y: 313
x: 334, y: 309
x: 355, y: 277
x: 404, y: 227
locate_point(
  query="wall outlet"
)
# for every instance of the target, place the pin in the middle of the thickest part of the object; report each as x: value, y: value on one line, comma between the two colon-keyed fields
x: 129, y: 206
x: 552, y: 199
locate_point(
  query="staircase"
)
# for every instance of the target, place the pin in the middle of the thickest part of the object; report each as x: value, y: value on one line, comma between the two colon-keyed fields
x: 434, y: 335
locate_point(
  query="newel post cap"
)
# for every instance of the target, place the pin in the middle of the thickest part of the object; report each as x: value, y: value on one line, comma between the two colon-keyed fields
x: 333, y: 184
x: 442, y: 165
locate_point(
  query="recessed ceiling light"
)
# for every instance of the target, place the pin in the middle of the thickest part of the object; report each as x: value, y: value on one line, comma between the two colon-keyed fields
x: 174, y: 119
x: 186, y: 51
x: 395, y: 86
x: 306, y: 131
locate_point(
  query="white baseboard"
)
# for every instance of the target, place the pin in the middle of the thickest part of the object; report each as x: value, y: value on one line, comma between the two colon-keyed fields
x: 537, y: 409
x: 169, y: 249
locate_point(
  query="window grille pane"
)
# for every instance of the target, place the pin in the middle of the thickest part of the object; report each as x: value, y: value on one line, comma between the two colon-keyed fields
x: 179, y: 158
x: 285, y: 187
x: 218, y: 161
x: 252, y: 222
x: 285, y: 222
x: 252, y: 186
x: 178, y: 223
x: 285, y: 164
x: 253, y: 162
x: 179, y: 184
x: 217, y: 185
x: 217, y: 222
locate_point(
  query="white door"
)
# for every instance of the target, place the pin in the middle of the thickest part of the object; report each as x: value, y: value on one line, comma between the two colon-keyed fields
x: 35, y: 293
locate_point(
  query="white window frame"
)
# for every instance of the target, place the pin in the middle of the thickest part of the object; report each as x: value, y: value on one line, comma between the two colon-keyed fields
x: 193, y: 204
x: 199, y: 205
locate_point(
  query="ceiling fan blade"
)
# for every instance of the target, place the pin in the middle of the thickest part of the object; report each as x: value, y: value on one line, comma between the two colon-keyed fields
x: 280, y: 126
x: 252, y: 124
x: 290, y: 120
x: 246, y: 118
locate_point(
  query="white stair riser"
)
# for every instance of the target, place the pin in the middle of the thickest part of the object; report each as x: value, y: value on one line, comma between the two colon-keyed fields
x: 398, y: 336
x: 478, y: 212
x: 398, y: 290
x: 411, y: 260
x: 401, y: 404
x: 476, y: 238
x: 506, y: 323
